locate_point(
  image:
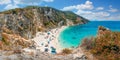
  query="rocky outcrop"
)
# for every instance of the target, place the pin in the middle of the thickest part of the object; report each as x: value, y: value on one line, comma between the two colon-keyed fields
x: 105, y: 46
x: 102, y: 31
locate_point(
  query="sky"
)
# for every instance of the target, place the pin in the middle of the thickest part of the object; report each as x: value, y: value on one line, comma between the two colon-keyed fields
x: 98, y: 10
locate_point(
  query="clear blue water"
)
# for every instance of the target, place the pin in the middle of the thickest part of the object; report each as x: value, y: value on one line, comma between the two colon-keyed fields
x: 73, y: 35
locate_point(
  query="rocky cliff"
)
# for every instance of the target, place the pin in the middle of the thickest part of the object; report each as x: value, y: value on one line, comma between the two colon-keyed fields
x: 106, y: 46
x: 27, y: 21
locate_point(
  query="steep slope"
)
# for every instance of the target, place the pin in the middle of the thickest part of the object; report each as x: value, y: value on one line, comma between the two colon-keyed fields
x: 27, y: 21
x: 12, y: 42
x: 106, y: 46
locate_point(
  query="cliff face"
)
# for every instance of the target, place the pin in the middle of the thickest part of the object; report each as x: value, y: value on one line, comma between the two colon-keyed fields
x: 27, y: 21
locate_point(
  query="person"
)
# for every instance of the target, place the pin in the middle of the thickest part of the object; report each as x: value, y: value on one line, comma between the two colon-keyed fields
x: 46, y: 49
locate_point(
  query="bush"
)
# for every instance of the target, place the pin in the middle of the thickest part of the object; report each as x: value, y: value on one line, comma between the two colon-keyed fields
x: 66, y: 51
x: 105, y: 47
x: 88, y: 43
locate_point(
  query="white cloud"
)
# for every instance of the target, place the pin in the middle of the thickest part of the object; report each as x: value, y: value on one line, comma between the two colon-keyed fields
x: 87, y: 10
x: 69, y: 8
x: 81, y: 12
x: 112, y: 9
x: 114, y: 17
x: 48, y: 0
x: 93, y: 15
x: 87, y: 6
x: 102, y: 14
x: 5, y: 2
x: 31, y: 2
x: 27, y: 2
x: 10, y: 6
x: 100, y: 8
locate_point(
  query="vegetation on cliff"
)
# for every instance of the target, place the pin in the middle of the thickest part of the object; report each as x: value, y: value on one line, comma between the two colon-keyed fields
x: 106, y: 46
x: 27, y: 21
x: 13, y: 42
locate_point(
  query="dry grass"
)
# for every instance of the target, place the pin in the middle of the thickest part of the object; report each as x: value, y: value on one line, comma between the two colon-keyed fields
x: 66, y: 51
x: 13, y: 42
x: 104, y: 47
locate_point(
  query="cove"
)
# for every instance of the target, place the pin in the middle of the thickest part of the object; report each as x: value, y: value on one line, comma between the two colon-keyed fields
x: 73, y: 35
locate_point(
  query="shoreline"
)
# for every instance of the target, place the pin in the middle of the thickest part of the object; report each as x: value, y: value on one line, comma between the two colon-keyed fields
x: 48, y: 41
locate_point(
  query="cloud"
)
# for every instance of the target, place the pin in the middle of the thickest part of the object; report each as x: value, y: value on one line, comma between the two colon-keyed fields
x: 99, y: 16
x: 10, y: 6
x: 31, y: 2
x: 100, y: 8
x: 27, y: 2
x: 69, y: 8
x: 87, y: 6
x: 114, y: 17
x: 93, y: 15
x: 48, y: 0
x: 112, y: 9
x: 102, y: 14
x: 24, y: 1
x: 5, y: 2
x: 88, y: 11
x: 81, y: 12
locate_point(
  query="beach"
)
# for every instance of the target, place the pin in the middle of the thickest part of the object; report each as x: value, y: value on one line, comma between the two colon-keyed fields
x: 48, y: 41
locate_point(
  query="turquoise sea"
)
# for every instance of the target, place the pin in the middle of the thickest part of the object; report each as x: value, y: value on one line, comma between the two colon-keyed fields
x: 73, y: 35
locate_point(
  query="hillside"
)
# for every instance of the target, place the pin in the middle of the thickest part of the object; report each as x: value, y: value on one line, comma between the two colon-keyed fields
x: 27, y: 21
x: 106, y: 46
x: 18, y: 27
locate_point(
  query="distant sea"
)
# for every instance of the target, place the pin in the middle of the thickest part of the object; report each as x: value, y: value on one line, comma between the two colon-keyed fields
x: 73, y: 35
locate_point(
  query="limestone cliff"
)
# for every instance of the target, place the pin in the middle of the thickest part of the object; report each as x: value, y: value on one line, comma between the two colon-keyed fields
x: 27, y: 21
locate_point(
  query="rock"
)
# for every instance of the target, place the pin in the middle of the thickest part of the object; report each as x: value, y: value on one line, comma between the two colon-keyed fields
x: 102, y: 28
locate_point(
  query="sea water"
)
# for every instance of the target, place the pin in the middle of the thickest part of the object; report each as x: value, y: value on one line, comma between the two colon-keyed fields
x: 73, y: 35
